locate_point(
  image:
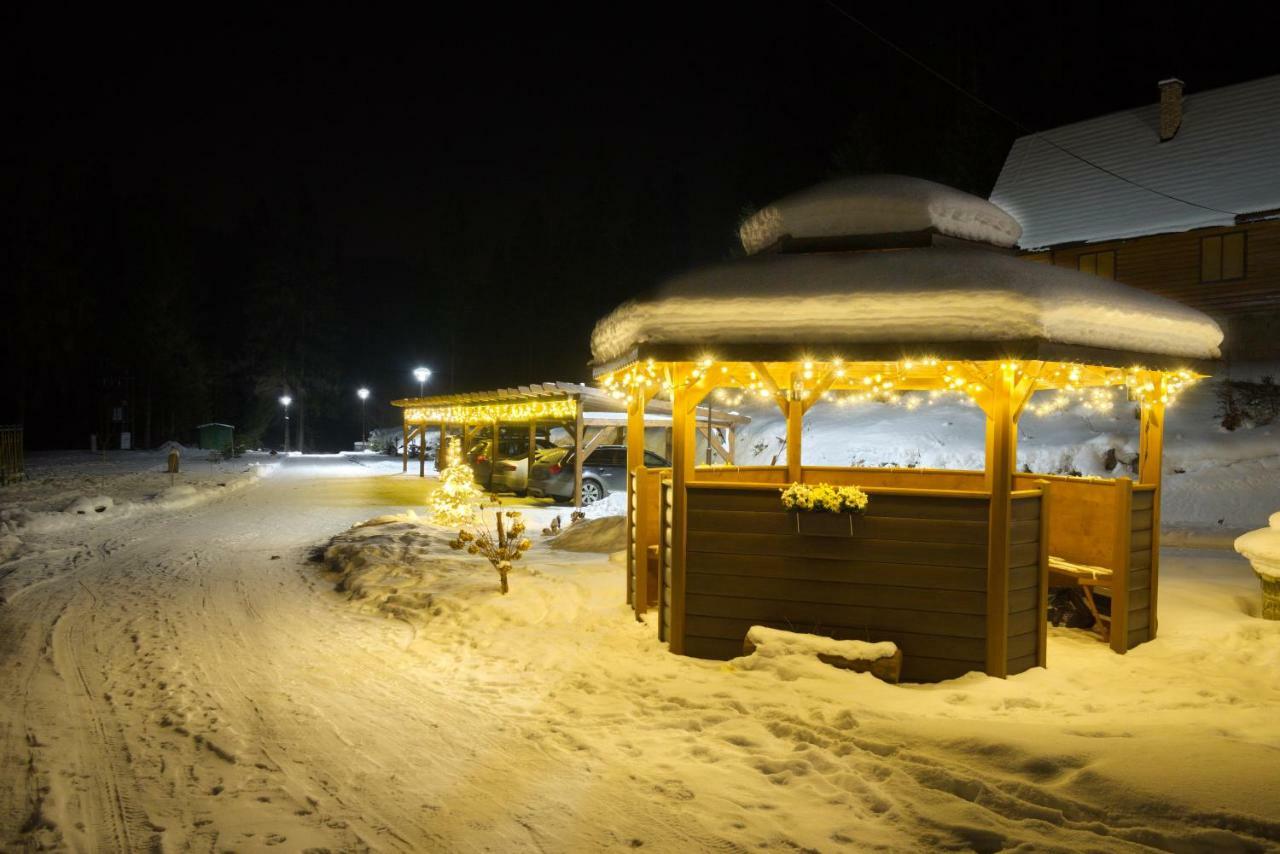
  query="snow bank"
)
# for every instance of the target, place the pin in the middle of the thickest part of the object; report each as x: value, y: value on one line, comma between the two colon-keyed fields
x: 605, y: 534
x: 1262, y: 548
x: 775, y: 642
x: 613, y: 504
x: 929, y: 296
x: 878, y: 204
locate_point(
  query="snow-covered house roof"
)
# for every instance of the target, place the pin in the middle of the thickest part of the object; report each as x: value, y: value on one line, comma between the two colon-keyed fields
x: 942, y: 292
x: 1225, y: 157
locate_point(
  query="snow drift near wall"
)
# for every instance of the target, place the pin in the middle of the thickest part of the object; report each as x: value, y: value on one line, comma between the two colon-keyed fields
x: 878, y: 204
x: 929, y: 295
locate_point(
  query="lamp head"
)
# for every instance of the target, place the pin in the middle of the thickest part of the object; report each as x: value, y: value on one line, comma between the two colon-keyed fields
x: 421, y: 374
x: 363, y: 393
x: 286, y: 400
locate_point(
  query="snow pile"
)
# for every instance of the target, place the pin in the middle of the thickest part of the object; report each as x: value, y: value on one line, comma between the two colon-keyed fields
x: 613, y: 504
x: 1262, y: 548
x: 775, y: 642
x: 10, y: 547
x: 401, y: 566
x: 84, y: 505
x: 68, y: 489
x: 604, y: 534
x: 876, y: 205
x: 924, y: 296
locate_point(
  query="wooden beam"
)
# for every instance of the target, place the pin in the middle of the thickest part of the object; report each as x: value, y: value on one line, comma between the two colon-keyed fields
x: 637, y: 546
x: 493, y: 451
x: 422, y: 450
x: 762, y: 371
x: 1120, y: 565
x: 1150, y: 463
x: 715, y: 445
x: 682, y: 465
x: 795, y: 425
x: 1042, y: 625
x: 404, y: 437
x: 530, y: 452
x: 999, y: 474
x: 578, y: 453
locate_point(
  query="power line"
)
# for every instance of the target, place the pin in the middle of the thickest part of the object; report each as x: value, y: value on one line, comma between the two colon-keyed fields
x: 1013, y: 121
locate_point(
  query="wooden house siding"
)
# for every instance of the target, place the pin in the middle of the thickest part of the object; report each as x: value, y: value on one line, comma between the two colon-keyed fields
x: 1169, y: 265
x: 913, y: 571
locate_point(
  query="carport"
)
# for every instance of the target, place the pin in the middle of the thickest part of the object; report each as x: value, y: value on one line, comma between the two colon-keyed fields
x: 592, y: 416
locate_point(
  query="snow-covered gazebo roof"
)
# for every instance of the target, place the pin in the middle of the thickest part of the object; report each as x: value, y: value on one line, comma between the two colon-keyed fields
x: 887, y: 263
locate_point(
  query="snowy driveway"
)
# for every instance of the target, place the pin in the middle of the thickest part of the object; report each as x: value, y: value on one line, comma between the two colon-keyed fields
x: 190, y: 681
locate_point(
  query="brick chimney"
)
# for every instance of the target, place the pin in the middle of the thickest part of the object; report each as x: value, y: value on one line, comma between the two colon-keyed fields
x: 1170, y: 107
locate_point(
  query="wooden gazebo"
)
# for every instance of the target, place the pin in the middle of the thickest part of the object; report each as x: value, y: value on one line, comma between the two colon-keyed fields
x: 873, y: 288
x: 591, y: 416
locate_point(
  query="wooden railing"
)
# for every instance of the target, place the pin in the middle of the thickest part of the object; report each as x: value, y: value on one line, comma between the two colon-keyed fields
x: 12, y: 464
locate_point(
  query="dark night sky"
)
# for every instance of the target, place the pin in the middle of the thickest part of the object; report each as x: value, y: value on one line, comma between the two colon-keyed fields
x: 571, y: 153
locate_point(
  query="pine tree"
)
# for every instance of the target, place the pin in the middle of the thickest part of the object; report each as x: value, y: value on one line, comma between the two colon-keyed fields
x: 454, y: 502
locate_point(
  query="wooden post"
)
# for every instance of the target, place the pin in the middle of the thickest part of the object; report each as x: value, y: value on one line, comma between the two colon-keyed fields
x: 1120, y: 565
x: 422, y: 449
x: 999, y: 475
x: 1150, y: 462
x: 577, y: 452
x: 637, y: 546
x: 682, y: 463
x: 493, y: 451
x: 795, y: 424
x: 533, y: 444
x: 1042, y: 627
x: 733, y: 444
x: 404, y: 435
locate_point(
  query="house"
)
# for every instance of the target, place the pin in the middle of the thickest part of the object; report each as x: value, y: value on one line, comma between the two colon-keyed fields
x: 1180, y: 197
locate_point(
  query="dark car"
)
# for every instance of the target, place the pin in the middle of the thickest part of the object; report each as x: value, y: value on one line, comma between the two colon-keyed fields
x: 603, y: 472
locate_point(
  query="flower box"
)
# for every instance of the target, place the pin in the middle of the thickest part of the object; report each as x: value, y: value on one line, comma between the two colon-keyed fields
x: 824, y: 524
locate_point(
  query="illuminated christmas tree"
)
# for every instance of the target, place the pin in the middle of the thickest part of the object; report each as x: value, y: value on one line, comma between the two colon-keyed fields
x: 455, y: 500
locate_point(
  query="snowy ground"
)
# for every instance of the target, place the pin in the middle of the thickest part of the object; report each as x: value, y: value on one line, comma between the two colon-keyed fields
x: 190, y: 679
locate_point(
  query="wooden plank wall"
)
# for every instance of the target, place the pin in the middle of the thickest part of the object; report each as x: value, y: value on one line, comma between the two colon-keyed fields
x: 1027, y: 584
x: 12, y: 468
x: 913, y: 572
x: 1083, y: 522
x: 1143, y: 544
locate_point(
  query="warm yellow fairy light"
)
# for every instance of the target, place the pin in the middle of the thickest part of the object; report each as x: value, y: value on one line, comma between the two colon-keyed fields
x: 481, y: 413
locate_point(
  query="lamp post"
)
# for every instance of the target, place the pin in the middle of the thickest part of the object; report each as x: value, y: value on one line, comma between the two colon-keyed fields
x: 363, y: 394
x: 421, y: 375
x: 285, y: 400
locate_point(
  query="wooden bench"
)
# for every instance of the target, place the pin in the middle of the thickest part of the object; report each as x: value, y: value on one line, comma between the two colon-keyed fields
x: 1064, y: 573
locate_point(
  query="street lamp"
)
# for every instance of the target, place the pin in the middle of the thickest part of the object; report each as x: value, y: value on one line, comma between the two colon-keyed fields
x: 421, y: 375
x: 285, y: 400
x: 363, y: 394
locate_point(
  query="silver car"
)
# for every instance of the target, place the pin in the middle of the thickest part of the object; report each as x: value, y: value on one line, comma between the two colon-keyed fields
x: 603, y: 472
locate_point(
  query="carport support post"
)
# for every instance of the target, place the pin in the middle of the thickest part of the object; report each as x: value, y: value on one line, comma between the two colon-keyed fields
x: 1150, y: 461
x: 999, y: 470
x: 493, y: 451
x: 533, y: 438
x: 404, y: 437
x: 637, y: 548
x: 440, y: 449
x: 577, y: 452
x: 422, y: 449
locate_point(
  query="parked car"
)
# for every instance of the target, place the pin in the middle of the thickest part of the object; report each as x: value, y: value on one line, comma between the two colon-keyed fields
x: 510, y: 471
x: 603, y: 472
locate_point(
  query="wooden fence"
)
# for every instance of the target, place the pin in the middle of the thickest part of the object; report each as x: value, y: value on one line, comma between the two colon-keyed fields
x: 11, y: 462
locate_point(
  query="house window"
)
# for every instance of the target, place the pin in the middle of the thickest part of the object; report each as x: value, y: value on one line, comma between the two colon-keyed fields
x: 1222, y: 257
x: 1099, y: 263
